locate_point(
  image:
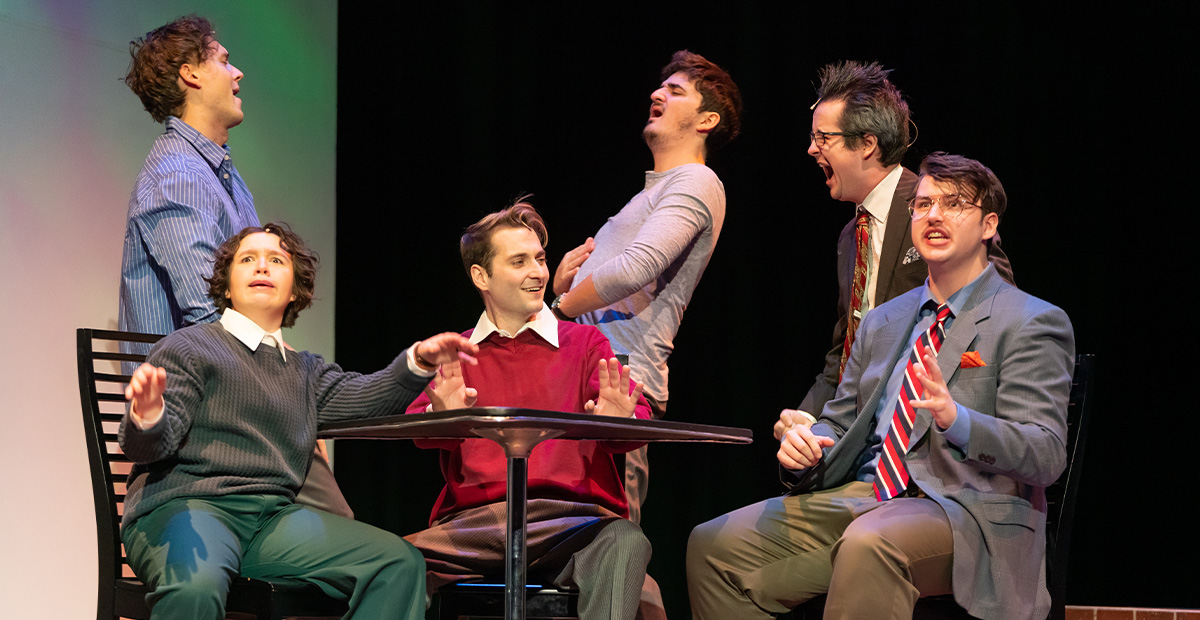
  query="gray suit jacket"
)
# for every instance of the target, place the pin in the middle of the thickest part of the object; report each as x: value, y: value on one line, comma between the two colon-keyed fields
x: 900, y: 270
x: 994, y: 495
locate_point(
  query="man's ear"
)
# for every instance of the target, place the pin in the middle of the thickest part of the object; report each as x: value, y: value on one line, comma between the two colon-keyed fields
x: 189, y: 76
x: 708, y: 122
x: 869, y: 146
x: 991, y: 222
x: 479, y: 277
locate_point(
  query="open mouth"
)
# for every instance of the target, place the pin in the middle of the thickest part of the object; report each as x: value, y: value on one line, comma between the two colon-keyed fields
x: 532, y: 289
x: 656, y: 111
x: 827, y: 169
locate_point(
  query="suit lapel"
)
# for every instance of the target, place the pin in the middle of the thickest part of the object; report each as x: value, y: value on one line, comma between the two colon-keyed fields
x: 960, y: 337
x: 891, y: 337
x: 897, y: 237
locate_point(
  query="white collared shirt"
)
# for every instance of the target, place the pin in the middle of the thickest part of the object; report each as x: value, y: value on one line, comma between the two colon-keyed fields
x: 250, y: 334
x: 878, y: 204
x: 544, y: 324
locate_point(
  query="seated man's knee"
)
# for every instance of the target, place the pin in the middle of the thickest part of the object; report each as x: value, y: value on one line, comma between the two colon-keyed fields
x: 627, y: 539
x: 707, y: 540
x: 860, y: 542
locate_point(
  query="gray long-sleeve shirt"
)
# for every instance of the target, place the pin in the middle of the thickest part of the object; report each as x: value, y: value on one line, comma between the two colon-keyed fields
x: 649, y: 258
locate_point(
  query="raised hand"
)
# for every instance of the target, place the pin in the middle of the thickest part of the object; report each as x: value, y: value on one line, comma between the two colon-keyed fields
x: 564, y: 276
x: 615, y: 398
x: 448, y: 390
x: 936, y: 397
x: 800, y: 448
x: 145, y: 390
x: 787, y: 419
x: 446, y: 348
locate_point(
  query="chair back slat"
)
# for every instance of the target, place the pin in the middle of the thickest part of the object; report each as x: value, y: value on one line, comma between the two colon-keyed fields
x: 100, y: 355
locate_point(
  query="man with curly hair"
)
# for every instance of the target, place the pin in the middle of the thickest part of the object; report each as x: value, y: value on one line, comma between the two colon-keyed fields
x: 221, y: 425
x: 189, y: 197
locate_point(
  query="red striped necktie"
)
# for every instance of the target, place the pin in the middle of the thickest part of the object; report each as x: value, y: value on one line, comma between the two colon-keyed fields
x: 891, y: 474
x: 858, y: 288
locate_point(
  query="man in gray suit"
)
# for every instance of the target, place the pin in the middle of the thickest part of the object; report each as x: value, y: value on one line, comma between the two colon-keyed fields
x: 986, y: 423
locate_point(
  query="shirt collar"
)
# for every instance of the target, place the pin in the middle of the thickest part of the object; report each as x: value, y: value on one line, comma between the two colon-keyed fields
x: 212, y: 152
x: 250, y: 334
x: 544, y: 324
x: 958, y: 298
x: 879, y: 202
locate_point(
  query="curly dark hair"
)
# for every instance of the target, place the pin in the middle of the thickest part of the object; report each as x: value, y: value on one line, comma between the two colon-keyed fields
x: 304, y: 268
x: 873, y: 106
x: 718, y: 94
x: 476, y: 247
x: 154, y: 71
x: 970, y: 178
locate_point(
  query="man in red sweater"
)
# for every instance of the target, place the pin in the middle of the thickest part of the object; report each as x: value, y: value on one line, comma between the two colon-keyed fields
x: 578, y: 531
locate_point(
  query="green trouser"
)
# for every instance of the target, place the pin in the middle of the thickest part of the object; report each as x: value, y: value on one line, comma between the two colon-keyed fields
x: 189, y: 549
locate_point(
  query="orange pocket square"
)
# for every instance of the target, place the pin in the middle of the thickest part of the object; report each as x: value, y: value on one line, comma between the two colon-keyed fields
x: 971, y: 359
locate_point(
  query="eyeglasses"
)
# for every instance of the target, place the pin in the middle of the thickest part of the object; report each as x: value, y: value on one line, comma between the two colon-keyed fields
x: 952, y: 205
x: 819, y: 137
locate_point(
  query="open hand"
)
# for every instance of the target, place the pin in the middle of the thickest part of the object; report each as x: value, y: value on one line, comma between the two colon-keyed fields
x: 564, y: 276
x: 449, y: 390
x: 615, y: 398
x: 936, y: 396
x: 145, y: 391
x: 447, y: 348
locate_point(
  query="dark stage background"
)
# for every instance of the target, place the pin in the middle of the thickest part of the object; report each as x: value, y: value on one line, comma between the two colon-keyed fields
x: 446, y: 114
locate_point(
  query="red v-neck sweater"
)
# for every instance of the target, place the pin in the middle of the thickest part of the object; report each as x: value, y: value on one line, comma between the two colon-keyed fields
x: 527, y: 372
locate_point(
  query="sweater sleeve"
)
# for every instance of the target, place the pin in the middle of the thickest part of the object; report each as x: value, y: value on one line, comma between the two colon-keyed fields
x: 345, y: 395
x: 181, y: 398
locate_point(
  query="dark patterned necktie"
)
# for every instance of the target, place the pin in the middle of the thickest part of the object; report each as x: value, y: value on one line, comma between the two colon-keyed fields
x: 891, y: 474
x: 858, y: 292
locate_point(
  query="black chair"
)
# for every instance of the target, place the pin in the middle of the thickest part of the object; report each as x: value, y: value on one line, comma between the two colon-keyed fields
x: 478, y: 600
x: 121, y: 594
x: 1060, y: 516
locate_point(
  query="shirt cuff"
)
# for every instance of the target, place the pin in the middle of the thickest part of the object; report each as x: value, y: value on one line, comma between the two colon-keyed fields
x: 959, y: 432
x: 412, y: 362
x: 144, y: 424
x: 808, y: 415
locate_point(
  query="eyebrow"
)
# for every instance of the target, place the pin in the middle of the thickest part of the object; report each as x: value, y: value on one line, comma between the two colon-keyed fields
x: 271, y: 252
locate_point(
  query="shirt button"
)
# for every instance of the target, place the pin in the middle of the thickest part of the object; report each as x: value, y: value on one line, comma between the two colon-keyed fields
x: 225, y: 176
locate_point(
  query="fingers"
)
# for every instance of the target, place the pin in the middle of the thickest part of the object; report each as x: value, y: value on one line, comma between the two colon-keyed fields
x: 447, y: 347
x: 801, y: 448
x: 589, y: 406
x: 602, y: 373
x: 470, y: 396
x: 786, y: 420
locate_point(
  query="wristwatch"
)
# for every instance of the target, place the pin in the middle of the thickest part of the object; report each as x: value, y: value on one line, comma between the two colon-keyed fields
x: 555, y: 310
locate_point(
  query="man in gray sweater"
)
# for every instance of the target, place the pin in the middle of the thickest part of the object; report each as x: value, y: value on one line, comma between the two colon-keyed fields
x: 221, y: 426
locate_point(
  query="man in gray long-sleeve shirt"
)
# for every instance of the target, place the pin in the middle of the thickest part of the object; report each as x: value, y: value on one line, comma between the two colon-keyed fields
x: 635, y: 278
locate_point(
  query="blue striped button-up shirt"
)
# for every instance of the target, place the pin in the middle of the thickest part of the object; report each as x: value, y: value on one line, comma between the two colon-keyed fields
x: 188, y: 199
